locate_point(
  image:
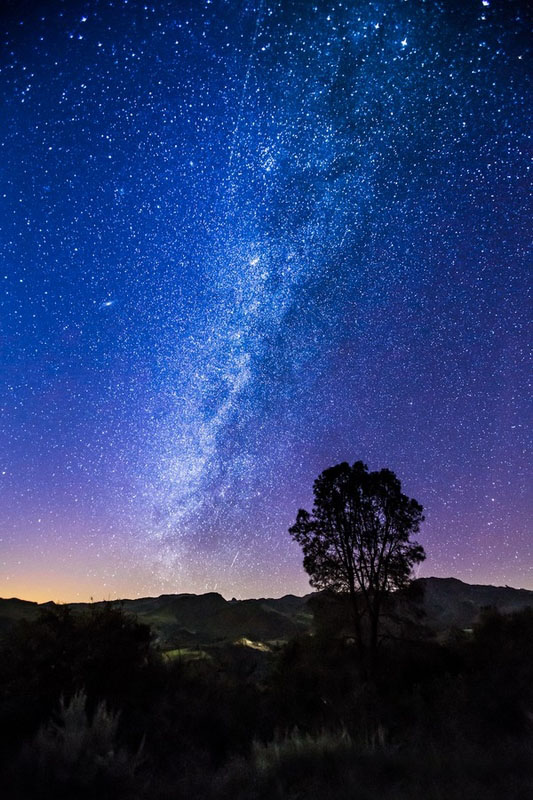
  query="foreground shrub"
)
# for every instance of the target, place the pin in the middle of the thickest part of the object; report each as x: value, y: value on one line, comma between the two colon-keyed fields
x: 76, y: 756
x: 333, y: 766
x: 326, y: 765
x: 104, y: 652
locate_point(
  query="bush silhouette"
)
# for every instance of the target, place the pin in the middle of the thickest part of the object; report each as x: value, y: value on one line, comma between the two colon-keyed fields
x: 104, y: 652
x: 78, y: 755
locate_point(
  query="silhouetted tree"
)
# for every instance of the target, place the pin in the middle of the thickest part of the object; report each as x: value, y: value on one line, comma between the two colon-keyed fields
x: 357, y: 540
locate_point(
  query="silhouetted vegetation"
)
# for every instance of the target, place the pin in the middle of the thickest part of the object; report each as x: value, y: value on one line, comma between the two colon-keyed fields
x: 357, y: 541
x: 91, y: 708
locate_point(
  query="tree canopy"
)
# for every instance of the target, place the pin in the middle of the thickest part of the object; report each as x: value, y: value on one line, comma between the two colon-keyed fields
x: 357, y: 539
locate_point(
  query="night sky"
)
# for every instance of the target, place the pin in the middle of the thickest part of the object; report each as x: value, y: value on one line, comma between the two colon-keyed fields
x: 242, y: 242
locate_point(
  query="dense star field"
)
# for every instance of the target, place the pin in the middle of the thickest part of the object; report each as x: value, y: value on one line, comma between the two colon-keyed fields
x: 242, y: 242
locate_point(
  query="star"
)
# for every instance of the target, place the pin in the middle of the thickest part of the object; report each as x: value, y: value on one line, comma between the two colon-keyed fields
x: 238, y: 252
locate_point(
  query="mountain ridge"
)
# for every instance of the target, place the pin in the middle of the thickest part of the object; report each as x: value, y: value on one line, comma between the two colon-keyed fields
x: 190, y: 620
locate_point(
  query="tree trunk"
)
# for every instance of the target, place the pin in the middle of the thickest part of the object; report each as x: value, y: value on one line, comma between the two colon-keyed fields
x: 356, y: 618
x: 374, y: 613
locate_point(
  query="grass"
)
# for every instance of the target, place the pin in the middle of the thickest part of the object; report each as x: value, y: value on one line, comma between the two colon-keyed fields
x: 186, y: 654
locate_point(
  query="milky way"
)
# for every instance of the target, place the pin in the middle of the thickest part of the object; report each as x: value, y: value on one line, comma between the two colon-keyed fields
x: 242, y: 242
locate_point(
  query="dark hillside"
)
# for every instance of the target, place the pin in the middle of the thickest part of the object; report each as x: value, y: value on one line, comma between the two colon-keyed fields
x: 189, y: 619
x: 448, y: 602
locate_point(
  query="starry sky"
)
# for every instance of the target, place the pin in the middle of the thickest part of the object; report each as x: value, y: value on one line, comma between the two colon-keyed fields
x: 242, y: 241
